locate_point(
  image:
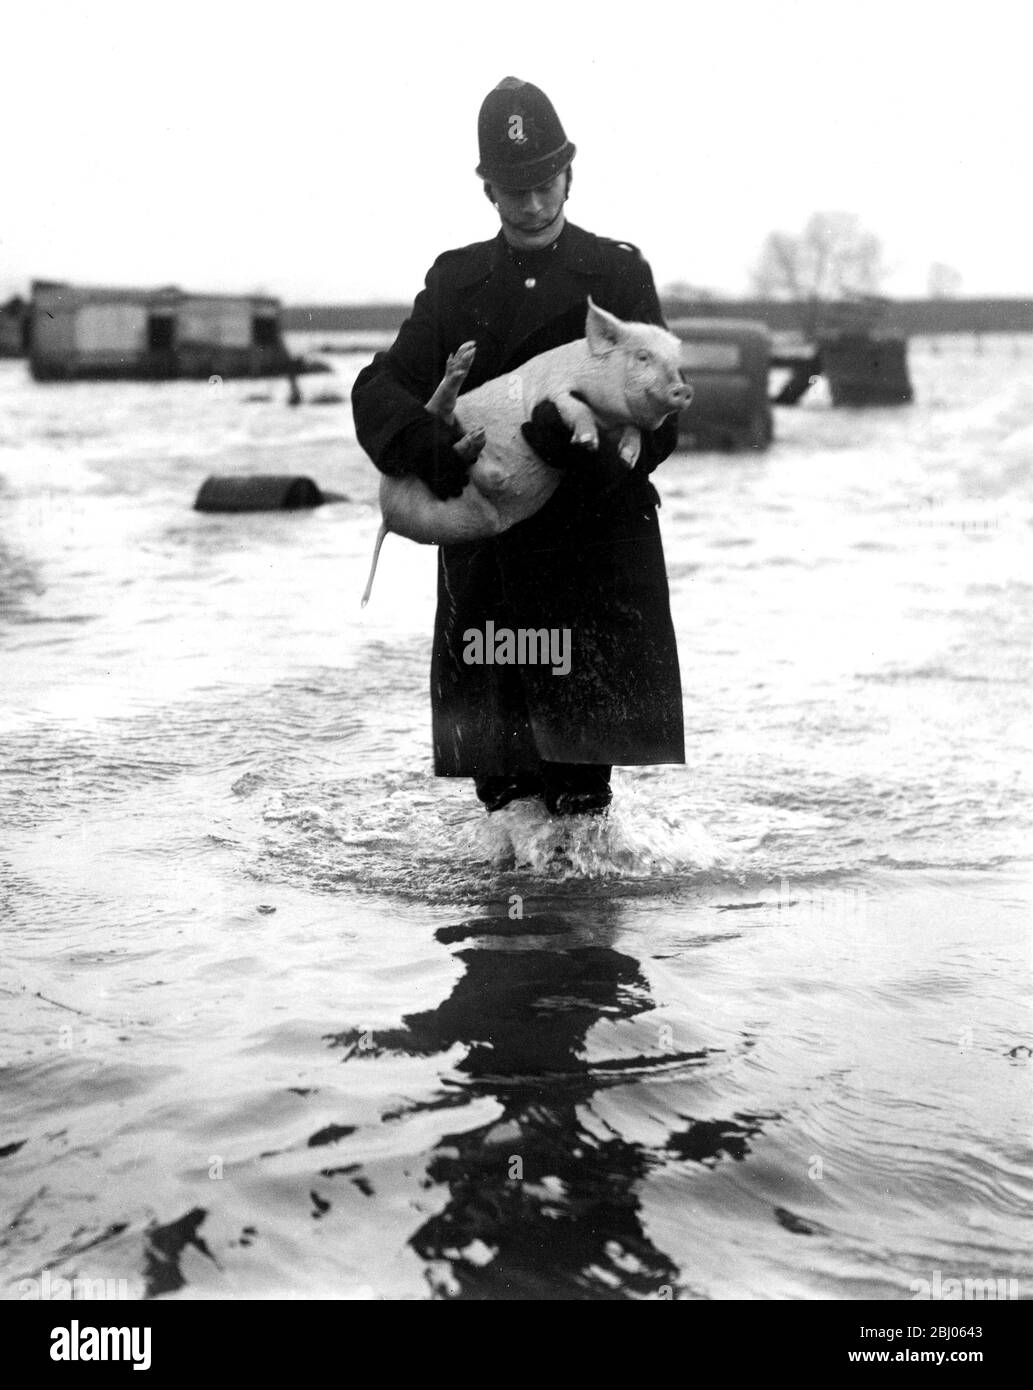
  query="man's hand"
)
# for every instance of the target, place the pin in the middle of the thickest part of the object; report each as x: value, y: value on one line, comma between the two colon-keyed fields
x: 600, y: 468
x: 550, y: 437
x: 429, y: 451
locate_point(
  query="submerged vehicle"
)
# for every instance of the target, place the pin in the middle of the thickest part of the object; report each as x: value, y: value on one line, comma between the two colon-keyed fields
x: 863, y: 360
x: 727, y: 361
x: 866, y: 368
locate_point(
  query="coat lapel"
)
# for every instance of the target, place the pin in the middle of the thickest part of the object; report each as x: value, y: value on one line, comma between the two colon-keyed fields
x: 566, y: 287
x: 491, y: 291
x: 491, y: 296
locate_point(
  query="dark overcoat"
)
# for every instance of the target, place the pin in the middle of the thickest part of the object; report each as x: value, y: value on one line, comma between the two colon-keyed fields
x: 590, y: 561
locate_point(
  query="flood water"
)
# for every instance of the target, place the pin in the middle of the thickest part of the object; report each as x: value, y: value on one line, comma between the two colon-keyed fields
x: 281, y: 1014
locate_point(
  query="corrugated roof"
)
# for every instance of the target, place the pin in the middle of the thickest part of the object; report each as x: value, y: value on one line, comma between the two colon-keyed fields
x: 716, y: 328
x: 164, y: 294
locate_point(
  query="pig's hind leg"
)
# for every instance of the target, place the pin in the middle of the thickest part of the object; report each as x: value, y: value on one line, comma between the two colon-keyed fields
x: 443, y: 402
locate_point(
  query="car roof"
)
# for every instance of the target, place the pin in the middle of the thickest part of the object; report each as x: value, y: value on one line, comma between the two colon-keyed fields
x: 720, y: 328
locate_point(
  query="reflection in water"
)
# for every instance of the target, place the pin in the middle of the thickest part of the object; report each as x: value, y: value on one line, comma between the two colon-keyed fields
x: 165, y: 1246
x: 543, y: 1202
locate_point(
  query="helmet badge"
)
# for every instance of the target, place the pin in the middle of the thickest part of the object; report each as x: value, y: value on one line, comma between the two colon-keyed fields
x: 520, y: 140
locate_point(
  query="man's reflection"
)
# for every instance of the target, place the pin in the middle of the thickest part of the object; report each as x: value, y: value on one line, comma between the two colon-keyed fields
x: 543, y: 1202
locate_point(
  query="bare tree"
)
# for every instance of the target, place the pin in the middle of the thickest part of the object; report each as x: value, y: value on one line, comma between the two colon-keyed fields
x: 834, y: 257
x: 686, y: 293
x: 944, y: 281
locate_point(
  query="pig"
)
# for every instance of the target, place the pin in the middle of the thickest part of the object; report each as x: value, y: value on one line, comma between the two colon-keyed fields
x: 620, y: 376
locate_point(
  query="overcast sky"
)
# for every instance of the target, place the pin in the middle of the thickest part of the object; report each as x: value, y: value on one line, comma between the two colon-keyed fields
x: 326, y: 151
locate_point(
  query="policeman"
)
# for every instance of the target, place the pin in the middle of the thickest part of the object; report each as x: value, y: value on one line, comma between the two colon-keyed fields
x: 591, y: 560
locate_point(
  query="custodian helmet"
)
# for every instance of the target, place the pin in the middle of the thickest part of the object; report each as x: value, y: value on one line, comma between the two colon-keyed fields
x: 519, y: 136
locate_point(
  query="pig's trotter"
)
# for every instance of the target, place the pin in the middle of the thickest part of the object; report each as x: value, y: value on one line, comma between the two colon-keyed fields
x: 443, y: 402
x: 471, y: 444
x: 579, y: 417
x: 630, y: 445
x: 373, y: 567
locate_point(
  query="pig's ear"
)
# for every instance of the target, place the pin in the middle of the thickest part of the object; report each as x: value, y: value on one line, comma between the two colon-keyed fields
x: 603, y: 331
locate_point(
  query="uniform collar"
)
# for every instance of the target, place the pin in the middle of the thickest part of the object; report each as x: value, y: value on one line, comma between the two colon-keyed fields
x: 581, y: 252
x: 577, y: 252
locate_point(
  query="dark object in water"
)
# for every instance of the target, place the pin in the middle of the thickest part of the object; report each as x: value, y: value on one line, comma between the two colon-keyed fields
x: 865, y: 369
x: 804, y: 370
x: 797, y: 1224
x: 261, y: 492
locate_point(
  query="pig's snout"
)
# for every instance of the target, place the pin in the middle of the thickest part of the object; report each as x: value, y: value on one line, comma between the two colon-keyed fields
x: 679, y: 393
x: 665, y: 398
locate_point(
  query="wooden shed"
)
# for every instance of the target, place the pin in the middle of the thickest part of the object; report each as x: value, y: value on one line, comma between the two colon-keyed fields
x: 96, y: 332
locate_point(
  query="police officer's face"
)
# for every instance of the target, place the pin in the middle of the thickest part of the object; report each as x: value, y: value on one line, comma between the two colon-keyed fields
x: 533, y: 218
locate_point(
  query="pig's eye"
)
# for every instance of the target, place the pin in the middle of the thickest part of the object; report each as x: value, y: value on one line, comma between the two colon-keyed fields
x: 642, y: 355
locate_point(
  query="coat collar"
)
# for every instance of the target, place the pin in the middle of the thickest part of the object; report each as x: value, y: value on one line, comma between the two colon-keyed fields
x: 578, y: 262
x: 487, y: 277
x: 578, y: 252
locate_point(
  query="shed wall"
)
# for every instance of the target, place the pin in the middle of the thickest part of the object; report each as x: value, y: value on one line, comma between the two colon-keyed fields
x: 215, y: 321
x: 53, y: 330
x: 111, y: 328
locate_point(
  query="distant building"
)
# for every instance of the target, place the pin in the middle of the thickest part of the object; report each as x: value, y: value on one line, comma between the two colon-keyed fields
x: 14, y: 328
x: 94, y: 332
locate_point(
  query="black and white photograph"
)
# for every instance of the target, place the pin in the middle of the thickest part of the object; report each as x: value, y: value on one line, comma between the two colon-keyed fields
x: 515, y: 663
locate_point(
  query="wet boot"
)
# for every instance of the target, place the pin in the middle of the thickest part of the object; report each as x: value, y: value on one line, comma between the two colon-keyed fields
x: 500, y: 789
x: 577, y: 789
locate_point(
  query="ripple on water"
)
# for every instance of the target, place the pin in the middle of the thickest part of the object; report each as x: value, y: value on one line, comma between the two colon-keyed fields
x: 259, y: 942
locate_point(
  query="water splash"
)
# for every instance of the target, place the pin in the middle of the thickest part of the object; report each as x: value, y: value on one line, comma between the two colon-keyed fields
x: 426, y: 836
x: 630, y: 840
